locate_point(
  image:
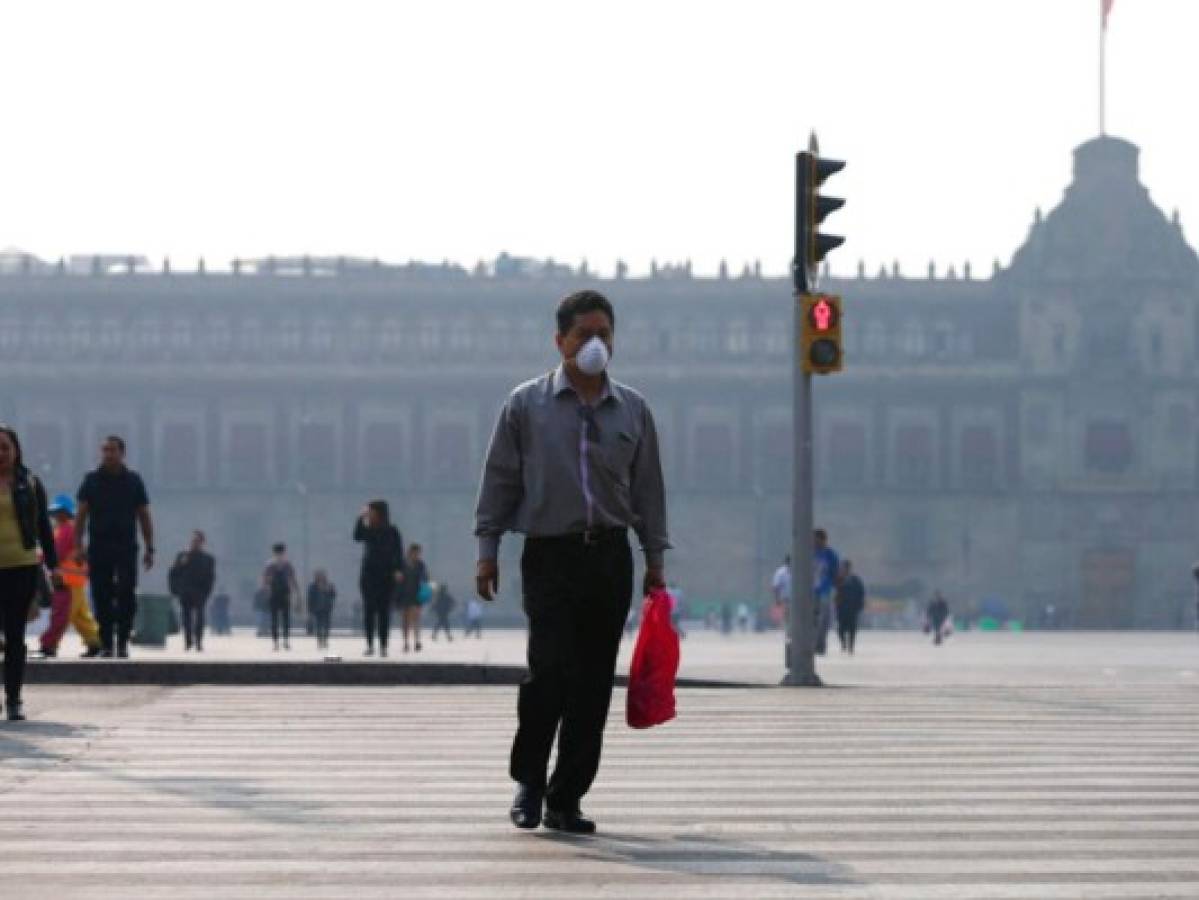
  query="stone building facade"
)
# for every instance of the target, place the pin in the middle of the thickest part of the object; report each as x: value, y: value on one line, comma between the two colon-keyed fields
x: 1028, y: 436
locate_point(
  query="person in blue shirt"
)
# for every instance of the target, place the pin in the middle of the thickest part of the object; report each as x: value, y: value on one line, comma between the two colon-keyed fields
x: 825, y: 567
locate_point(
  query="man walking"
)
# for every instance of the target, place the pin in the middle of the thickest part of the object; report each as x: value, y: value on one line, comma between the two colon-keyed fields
x: 825, y: 566
x: 279, y: 582
x: 191, y: 580
x: 851, y: 600
x: 573, y: 464
x: 112, y: 503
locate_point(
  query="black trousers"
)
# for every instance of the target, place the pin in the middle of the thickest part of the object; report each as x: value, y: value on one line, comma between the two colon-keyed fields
x: 280, y: 617
x: 377, y: 595
x: 192, y: 608
x: 321, y: 618
x: 442, y: 624
x: 113, y: 577
x: 847, y: 629
x: 17, y: 587
x: 576, y: 598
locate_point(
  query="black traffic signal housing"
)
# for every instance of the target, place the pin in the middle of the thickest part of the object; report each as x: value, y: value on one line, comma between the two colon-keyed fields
x: 811, y: 209
x: 822, y: 352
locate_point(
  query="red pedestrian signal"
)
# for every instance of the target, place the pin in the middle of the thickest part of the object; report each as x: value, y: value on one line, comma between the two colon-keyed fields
x: 821, y: 353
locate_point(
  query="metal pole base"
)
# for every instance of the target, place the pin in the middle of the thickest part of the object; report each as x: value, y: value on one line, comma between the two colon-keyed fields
x: 800, y: 679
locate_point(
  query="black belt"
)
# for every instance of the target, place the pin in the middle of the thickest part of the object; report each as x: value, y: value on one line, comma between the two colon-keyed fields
x: 592, y: 537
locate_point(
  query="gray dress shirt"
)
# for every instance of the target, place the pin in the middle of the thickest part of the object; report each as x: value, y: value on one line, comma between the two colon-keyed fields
x: 558, y: 467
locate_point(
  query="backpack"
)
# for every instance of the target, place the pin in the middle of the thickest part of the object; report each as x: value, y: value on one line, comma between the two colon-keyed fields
x: 280, y: 583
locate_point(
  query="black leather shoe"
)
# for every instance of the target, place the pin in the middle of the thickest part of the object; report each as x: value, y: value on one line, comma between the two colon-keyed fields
x: 572, y: 821
x: 15, y: 712
x: 526, y: 807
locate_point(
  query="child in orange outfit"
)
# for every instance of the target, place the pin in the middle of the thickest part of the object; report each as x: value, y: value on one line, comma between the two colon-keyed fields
x: 69, y: 604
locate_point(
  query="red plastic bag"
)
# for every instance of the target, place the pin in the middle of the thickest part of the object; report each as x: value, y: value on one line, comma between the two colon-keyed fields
x: 650, y: 698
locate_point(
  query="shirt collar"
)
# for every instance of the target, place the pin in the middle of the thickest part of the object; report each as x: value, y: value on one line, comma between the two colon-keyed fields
x: 560, y: 384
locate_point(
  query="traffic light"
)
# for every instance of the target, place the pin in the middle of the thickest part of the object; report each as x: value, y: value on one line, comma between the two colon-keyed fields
x: 811, y: 209
x: 821, y: 353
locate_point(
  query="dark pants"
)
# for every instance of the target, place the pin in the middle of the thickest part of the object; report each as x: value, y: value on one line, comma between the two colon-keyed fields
x: 320, y: 620
x: 473, y: 626
x: 847, y: 630
x: 280, y: 617
x: 113, y: 578
x: 17, y: 587
x: 442, y: 624
x: 192, y: 608
x: 377, y: 595
x: 576, y: 598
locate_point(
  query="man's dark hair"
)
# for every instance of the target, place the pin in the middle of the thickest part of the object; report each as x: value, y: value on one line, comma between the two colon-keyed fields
x: 820, y: 533
x: 581, y: 302
x: 416, y: 547
x: 199, y: 534
x: 279, y: 548
x: 116, y: 439
x: 384, y: 511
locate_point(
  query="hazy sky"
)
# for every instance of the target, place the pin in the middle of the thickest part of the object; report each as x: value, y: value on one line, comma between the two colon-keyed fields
x: 603, y: 130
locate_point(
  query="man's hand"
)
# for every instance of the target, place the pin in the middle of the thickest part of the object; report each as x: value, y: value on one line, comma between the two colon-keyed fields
x: 487, y: 578
x: 148, y: 560
x: 655, y: 577
x: 399, y: 576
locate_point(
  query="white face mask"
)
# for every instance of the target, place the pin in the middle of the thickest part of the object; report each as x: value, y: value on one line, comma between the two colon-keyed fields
x: 593, y: 357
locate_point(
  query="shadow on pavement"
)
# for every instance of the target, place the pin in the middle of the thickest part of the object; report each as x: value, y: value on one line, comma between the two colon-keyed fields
x: 708, y: 856
x: 19, y: 748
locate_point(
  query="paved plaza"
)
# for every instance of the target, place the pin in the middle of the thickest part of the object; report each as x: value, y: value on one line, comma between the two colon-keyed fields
x: 998, y: 766
x: 884, y: 657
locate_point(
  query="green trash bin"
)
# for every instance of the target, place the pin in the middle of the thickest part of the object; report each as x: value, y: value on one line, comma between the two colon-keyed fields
x: 153, y: 621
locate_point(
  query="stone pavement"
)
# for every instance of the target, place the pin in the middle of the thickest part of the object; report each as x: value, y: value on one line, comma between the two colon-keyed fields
x: 1086, y: 788
x: 883, y: 657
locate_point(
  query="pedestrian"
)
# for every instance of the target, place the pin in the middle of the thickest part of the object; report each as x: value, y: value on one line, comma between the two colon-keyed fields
x: 851, y: 600
x: 573, y: 464
x: 938, y: 615
x: 220, y: 612
x: 1195, y: 574
x: 780, y: 586
x: 69, y: 604
x: 825, y: 565
x: 382, y: 574
x: 474, y: 619
x: 726, y: 618
x: 413, y: 593
x: 112, y: 501
x: 743, y: 616
x: 279, y: 582
x: 24, y: 529
x: 443, y: 605
x: 191, y: 579
x: 321, y: 597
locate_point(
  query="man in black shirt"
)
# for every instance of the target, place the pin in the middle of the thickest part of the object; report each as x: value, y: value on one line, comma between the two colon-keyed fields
x: 191, y: 580
x: 112, y: 501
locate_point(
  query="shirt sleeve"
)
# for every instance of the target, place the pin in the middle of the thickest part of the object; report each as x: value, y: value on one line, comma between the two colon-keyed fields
x: 140, y: 497
x: 502, y: 486
x: 85, y: 490
x: 648, y: 494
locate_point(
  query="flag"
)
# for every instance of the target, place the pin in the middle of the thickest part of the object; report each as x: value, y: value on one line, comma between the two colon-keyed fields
x: 1105, y: 10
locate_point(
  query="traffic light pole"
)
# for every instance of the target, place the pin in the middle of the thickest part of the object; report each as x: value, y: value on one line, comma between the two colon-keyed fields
x: 801, y: 619
x: 810, y: 249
